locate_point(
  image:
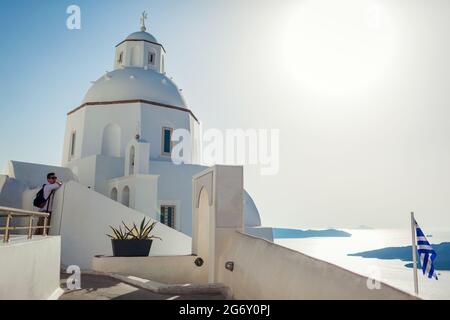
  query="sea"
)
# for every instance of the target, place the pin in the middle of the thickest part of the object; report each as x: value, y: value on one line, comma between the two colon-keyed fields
x: 383, y: 267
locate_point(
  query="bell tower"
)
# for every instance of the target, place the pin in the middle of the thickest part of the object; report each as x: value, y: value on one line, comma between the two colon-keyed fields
x: 140, y: 49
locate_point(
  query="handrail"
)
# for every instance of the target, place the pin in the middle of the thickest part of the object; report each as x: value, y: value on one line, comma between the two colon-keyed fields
x: 20, y: 213
x: 24, y: 212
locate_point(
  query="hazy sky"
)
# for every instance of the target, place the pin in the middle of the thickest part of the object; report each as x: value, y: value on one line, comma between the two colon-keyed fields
x: 360, y: 91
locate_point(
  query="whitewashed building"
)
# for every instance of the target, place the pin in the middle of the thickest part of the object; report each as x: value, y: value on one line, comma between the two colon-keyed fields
x: 118, y: 141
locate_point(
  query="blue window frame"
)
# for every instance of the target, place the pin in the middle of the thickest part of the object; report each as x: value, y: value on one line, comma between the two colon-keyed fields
x: 166, y: 141
x: 167, y: 216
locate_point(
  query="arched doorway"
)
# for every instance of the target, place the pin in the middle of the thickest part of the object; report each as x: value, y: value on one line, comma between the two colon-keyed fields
x: 205, y: 238
x: 204, y: 222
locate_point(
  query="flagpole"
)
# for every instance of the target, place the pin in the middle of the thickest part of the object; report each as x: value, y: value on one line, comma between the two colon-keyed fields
x: 414, y: 253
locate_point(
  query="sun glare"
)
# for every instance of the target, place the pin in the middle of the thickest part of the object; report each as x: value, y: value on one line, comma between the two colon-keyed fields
x: 331, y: 49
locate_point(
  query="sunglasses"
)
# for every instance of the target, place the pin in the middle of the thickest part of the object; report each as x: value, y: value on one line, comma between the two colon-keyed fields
x: 53, y: 178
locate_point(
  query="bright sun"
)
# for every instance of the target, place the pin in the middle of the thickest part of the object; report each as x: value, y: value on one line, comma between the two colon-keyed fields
x: 336, y: 49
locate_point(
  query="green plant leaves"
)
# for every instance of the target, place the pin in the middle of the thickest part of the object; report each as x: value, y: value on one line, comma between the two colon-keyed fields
x: 134, y: 233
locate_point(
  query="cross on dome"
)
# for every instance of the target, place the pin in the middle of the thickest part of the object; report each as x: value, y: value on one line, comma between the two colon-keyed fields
x: 143, y: 18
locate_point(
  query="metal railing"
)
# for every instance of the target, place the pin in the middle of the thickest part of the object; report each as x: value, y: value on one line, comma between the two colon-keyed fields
x: 11, y: 213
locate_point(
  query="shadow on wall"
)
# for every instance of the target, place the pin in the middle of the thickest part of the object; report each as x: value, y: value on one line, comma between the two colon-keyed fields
x: 11, y: 192
x: 280, y: 233
x: 442, y: 261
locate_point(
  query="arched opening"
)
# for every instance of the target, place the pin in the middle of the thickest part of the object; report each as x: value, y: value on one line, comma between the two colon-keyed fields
x: 126, y: 196
x: 111, y: 140
x: 114, y: 194
x: 204, y: 235
x: 151, y: 58
x: 132, y: 160
x: 134, y: 54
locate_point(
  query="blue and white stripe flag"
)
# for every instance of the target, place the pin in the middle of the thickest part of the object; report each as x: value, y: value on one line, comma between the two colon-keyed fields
x: 426, y: 253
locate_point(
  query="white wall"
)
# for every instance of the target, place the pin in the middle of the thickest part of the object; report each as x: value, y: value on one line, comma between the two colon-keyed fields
x: 107, y: 168
x: 11, y: 191
x: 171, y: 270
x: 260, y: 232
x: 29, y: 269
x: 135, y: 55
x: 35, y: 175
x: 126, y: 116
x: 153, y: 119
x: 92, y: 120
x: 82, y: 217
x: 75, y: 122
x: 143, y: 193
x: 175, y: 185
x: 298, y: 276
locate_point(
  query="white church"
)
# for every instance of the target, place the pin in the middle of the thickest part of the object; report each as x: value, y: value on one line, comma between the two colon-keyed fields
x: 118, y: 141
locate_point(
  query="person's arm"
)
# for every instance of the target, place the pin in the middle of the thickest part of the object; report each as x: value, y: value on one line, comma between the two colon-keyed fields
x: 49, y: 188
x: 54, y: 186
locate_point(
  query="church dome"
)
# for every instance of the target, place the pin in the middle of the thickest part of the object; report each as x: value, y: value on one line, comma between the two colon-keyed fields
x: 133, y: 83
x: 142, y: 35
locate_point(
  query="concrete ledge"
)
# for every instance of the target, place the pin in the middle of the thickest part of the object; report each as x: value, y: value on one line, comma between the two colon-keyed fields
x: 163, y: 288
x: 163, y: 269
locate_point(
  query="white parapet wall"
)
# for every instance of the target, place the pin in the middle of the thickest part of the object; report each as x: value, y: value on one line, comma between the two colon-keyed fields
x: 261, y: 270
x: 264, y: 270
x: 29, y: 269
x: 170, y: 270
x: 82, y: 217
x: 260, y: 232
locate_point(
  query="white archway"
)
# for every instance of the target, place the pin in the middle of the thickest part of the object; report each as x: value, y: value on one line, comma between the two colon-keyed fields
x: 217, y: 213
x: 114, y: 194
x: 111, y: 140
x: 204, y: 229
x: 126, y: 196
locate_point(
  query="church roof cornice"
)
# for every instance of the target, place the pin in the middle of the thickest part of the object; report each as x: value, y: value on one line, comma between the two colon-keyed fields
x: 153, y: 103
x: 148, y: 41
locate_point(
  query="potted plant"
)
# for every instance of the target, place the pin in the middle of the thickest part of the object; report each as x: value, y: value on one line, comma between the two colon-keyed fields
x: 132, y: 241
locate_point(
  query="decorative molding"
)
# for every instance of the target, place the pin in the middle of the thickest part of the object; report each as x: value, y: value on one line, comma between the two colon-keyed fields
x: 155, y: 43
x: 158, y: 104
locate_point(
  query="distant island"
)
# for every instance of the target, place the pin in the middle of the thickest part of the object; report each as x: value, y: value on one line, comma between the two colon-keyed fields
x: 364, y: 227
x: 282, y: 233
x: 442, y: 261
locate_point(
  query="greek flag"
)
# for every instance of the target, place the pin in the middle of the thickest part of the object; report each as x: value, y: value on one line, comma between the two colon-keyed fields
x: 426, y: 254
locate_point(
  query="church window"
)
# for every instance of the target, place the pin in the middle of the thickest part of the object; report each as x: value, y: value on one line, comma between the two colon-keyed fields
x: 151, y: 58
x: 132, y: 159
x: 168, y: 215
x: 120, y: 58
x: 166, y: 141
x: 72, y: 144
